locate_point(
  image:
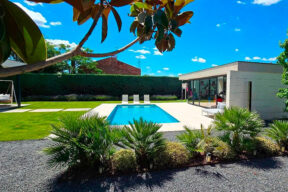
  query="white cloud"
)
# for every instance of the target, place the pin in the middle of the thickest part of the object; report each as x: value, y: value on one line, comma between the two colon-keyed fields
x: 166, y: 69
x: 218, y: 25
x: 159, y: 71
x: 171, y: 75
x: 236, y: 50
x: 261, y: 59
x: 58, y: 42
x: 140, y: 57
x: 241, y: 2
x: 30, y: 3
x: 158, y: 53
x: 148, y: 67
x: 199, y: 60
x: 265, y: 2
x: 237, y: 29
x: 214, y: 65
x: 179, y: 74
x: 256, y: 58
x: 248, y: 58
x: 37, y: 17
x: 142, y: 51
x: 55, y: 23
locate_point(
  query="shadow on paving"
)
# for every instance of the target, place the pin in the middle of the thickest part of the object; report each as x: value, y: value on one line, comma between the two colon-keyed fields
x: 121, y: 183
x: 265, y: 163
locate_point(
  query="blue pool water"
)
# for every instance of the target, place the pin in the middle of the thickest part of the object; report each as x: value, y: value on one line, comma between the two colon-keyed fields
x: 123, y: 114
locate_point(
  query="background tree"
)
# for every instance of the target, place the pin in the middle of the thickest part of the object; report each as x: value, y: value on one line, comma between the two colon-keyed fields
x: 283, y: 61
x: 159, y: 20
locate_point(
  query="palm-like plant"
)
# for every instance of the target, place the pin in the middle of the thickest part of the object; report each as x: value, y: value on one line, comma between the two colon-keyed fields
x: 190, y: 139
x: 238, y: 123
x: 278, y: 131
x: 142, y: 137
x: 84, y: 142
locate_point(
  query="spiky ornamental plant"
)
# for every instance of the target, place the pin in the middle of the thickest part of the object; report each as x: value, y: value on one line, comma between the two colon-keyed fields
x: 278, y: 131
x: 239, y: 123
x: 82, y: 142
x: 190, y: 139
x: 143, y: 137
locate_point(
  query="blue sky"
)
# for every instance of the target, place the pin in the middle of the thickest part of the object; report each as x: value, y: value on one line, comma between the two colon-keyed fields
x: 221, y: 31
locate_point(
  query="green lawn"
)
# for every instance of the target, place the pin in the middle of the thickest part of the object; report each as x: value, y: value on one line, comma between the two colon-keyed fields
x: 24, y: 126
x: 75, y: 104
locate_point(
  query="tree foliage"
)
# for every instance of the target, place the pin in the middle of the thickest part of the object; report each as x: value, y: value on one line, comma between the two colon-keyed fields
x: 283, y: 61
x: 158, y: 20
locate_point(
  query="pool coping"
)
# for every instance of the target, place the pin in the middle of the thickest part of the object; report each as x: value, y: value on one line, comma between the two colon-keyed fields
x: 186, y: 114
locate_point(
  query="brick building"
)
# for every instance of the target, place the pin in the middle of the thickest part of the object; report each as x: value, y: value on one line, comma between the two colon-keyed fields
x: 113, y: 66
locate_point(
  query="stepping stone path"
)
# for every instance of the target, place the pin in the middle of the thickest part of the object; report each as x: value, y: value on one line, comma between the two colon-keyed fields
x: 77, y: 109
x: 17, y: 111
x: 45, y: 110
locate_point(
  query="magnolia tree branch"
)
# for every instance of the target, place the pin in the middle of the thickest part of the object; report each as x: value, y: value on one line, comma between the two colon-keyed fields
x: 85, y: 54
x: 6, y: 72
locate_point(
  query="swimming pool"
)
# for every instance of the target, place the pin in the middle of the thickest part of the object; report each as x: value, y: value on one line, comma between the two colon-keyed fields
x: 123, y: 114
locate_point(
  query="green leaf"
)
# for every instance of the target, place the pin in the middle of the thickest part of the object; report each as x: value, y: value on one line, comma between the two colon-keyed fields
x: 148, y: 24
x: 25, y: 37
x: 184, y: 17
x: 160, y: 32
x: 117, y: 18
x: 133, y: 27
x: 161, y: 18
x: 5, y: 49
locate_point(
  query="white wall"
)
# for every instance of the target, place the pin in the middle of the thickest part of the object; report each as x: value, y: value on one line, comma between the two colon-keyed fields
x: 264, y: 89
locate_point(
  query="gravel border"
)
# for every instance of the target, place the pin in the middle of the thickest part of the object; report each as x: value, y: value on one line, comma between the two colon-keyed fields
x: 23, y: 168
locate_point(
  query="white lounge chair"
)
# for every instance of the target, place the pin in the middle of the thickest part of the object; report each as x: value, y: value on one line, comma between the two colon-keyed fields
x: 211, y: 112
x: 146, y: 99
x: 124, y: 99
x: 136, y: 99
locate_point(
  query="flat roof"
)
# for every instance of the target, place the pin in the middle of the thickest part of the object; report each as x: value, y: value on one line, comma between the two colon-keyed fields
x: 234, y: 66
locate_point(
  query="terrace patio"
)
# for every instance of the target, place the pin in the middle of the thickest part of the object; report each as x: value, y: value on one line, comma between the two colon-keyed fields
x: 186, y: 114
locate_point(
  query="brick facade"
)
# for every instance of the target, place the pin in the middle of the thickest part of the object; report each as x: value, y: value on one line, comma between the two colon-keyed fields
x: 112, y: 66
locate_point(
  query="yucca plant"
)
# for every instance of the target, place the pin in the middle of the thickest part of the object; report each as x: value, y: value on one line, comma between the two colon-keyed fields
x: 238, y: 123
x: 278, y: 132
x: 82, y: 142
x: 190, y: 139
x: 143, y: 137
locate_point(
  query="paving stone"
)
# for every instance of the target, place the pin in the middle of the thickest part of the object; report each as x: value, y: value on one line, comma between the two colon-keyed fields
x: 45, y: 110
x: 77, y: 109
x: 17, y: 111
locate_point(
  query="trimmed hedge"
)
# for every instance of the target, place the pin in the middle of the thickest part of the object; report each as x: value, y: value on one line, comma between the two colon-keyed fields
x: 113, y: 85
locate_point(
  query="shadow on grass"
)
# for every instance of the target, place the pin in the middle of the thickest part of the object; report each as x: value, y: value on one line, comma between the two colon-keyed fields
x: 147, y: 181
x: 264, y: 163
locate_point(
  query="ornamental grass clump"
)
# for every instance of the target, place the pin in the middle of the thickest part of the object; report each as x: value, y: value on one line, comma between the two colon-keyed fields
x: 278, y: 132
x: 238, y: 124
x: 145, y: 140
x: 82, y: 143
x: 190, y: 139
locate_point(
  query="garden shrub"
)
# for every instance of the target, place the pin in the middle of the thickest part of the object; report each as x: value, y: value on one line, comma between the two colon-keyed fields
x: 266, y: 146
x: 190, y: 139
x: 216, y: 148
x: 124, y: 160
x: 278, y: 132
x: 164, y: 97
x: 82, y: 142
x: 174, y: 155
x: 238, y: 123
x: 92, y: 84
x: 143, y: 137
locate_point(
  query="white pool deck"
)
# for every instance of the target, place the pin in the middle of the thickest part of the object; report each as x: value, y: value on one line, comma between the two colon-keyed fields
x: 186, y: 114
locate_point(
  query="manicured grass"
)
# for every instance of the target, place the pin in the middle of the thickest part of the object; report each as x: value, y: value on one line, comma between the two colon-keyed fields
x: 75, y: 104
x: 23, y: 126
